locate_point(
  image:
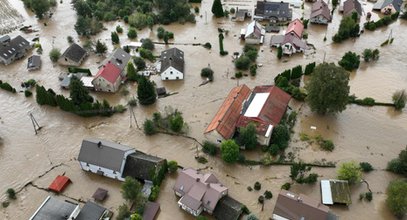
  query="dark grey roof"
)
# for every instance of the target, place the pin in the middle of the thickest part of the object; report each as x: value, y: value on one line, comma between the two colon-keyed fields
x: 383, y: 3
x: 273, y: 9
x: 14, y: 47
x: 34, y: 62
x: 161, y: 91
x: 4, y: 39
x: 106, y: 154
x: 75, y: 53
x: 242, y: 13
x: 172, y: 57
x: 349, y: 5
x: 272, y: 28
x: 91, y: 211
x: 54, y: 209
x: 142, y: 166
x: 228, y: 209
x: 119, y: 58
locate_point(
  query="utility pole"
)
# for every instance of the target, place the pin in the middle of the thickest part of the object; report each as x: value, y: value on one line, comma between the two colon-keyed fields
x: 132, y: 115
x: 35, y: 124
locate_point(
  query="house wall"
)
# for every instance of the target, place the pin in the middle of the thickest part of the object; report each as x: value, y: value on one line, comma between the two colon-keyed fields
x: 7, y: 61
x: 171, y: 74
x: 214, y: 137
x: 319, y: 20
x: 388, y: 8
x: 263, y: 140
x: 252, y: 40
x: 101, y: 84
x: 101, y: 171
x: 189, y: 210
x: 68, y: 62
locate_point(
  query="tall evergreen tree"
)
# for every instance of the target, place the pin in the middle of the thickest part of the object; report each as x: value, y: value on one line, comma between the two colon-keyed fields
x: 115, y: 38
x: 101, y: 48
x: 217, y: 9
x: 146, y: 92
x: 78, y: 93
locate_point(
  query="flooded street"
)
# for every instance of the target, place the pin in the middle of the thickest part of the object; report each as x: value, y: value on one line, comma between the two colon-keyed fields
x: 372, y: 134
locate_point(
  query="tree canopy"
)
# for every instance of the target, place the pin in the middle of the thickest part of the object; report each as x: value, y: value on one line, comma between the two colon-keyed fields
x: 79, y: 94
x: 217, y: 9
x: 247, y: 136
x: 350, y: 171
x: 131, y: 189
x: 399, y: 164
x: 397, y: 197
x: 146, y: 92
x: 229, y: 151
x: 399, y: 99
x: 350, y: 61
x: 101, y: 48
x: 328, y: 89
x: 349, y: 27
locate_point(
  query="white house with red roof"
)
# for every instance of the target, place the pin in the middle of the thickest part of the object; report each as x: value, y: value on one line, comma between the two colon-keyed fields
x: 291, y: 42
x: 295, y: 28
x: 108, y: 78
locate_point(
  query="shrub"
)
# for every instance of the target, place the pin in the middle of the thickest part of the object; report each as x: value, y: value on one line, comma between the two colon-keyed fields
x: 54, y: 54
x: 69, y: 39
x: 176, y: 122
x: 350, y: 171
x: 115, y: 38
x: 147, y: 54
x: 201, y: 218
x: 201, y: 159
x: 207, y: 45
x: 139, y: 62
x: 286, y: 186
x: 119, y: 29
x: 252, y: 54
x: 147, y: 44
x: 27, y: 93
x: 119, y: 108
x: 209, y: 148
x: 399, y: 99
x: 155, y: 190
x: 249, y: 188
x: 350, y: 61
x: 11, y: 193
x: 261, y: 199
x: 253, y: 70
x: 257, y: 186
x: 123, y: 212
x: 327, y: 145
x: 279, y: 52
x: 5, y: 204
x: 245, y: 210
x: 238, y: 75
x: 369, y: 196
x: 268, y: 194
x: 366, y: 167
x: 172, y: 166
x: 149, y: 127
x: 242, y: 63
x: 232, y: 10
x: 132, y: 33
x: 207, y: 73
x: 397, y: 197
x: 7, y: 87
x: 196, y: 9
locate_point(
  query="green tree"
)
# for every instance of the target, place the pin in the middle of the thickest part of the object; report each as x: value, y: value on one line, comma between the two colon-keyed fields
x: 147, y: 44
x: 146, y: 54
x: 176, y: 122
x: 350, y: 171
x: 366, y: 167
x: 146, y: 92
x: 279, y: 52
x: 335, y: 3
x: 350, y: 61
x: 132, y: 33
x: 252, y: 217
x: 242, y: 63
x: 397, y: 197
x: 172, y: 166
x: 79, y: 94
x: 123, y: 212
x: 299, y: 171
x: 309, y: 68
x: 399, y: 164
x: 149, y: 127
x: 101, y: 48
x: 54, y: 54
x: 131, y: 189
x: 399, y: 99
x: 348, y: 28
x: 217, y: 9
x: 209, y: 148
x: 83, y: 25
x: 115, y: 38
x: 207, y: 72
x: 229, y: 151
x: 140, y: 63
x: 82, y: 8
x: 11, y: 193
x: 247, y: 136
x: 40, y: 7
x: 119, y: 29
x: 280, y: 136
x: 132, y: 73
x: 136, y: 216
x: 328, y: 89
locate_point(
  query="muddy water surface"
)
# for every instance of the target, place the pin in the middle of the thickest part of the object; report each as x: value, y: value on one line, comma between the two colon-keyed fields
x: 374, y: 134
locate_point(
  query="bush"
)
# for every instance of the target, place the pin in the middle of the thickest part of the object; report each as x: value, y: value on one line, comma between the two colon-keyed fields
x: 54, y: 54
x: 149, y: 127
x: 119, y: 29
x: 242, y: 63
x: 350, y: 61
x: 201, y: 159
x: 119, y: 108
x: 28, y: 93
x: 238, y: 75
x: 176, y: 122
x: 139, y: 62
x: 207, y: 73
x: 123, y: 212
x: 257, y: 186
x: 69, y: 39
x: 147, y: 54
x: 201, y: 218
x: 11, y: 194
x: 245, y: 210
x: 5, y: 204
x: 252, y: 54
x: 395, y: 166
x: 207, y: 45
x: 115, y: 38
x: 249, y: 188
x: 7, y: 87
x: 366, y: 167
x: 399, y: 99
x: 147, y: 44
x: 397, y: 197
x: 155, y: 190
x: 268, y: 194
x: 253, y: 70
x: 172, y: 166
x: 327, y: 145
x: 196, y: 9
x: 261, y: 199
x: 132, y: 33
x: 350, y: 171
x: 279, y: 52
x: 286, y: 186
x: 209, y: 148
x: 232, y: 10
x: 369, y: 196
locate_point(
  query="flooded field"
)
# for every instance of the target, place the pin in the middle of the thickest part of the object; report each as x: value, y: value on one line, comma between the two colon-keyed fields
x: 10, y: 17
x: 372, y: 134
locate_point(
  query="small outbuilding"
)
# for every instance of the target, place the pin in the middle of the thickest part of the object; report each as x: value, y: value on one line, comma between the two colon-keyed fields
x: 100, y: 194
x: 335, y: 192
x: 34, y: 63
x: 151, y: 210
x: 73, y: 56
x: 59, y: 184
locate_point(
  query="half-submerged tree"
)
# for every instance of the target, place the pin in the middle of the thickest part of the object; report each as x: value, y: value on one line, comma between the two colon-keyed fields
x: 229, y: 151
x: 146, y: 92
x: 328, y: 89
x: 217, y: 9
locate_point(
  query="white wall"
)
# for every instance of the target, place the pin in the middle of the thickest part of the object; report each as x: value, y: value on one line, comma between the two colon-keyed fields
x: 101, y: 84
x: 319, y: 20
x: 171, y: 74
x: 106, y: 172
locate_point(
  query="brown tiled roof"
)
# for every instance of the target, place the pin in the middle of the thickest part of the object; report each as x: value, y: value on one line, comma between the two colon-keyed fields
x: 321, y: 8
x: 295, y: 27
x: 292, y: 206
x: 272, y: 111
x: 228, y: 114
x: 151, y: 210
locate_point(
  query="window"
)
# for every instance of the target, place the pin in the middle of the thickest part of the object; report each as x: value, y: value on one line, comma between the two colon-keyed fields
x: 66, y: 60
x: 171, y: 72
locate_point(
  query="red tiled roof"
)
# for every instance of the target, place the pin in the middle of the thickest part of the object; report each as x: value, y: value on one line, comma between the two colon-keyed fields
x: 272, y: 111
x: 109, y: 71
x: 295, y: 27
x: 228, y: 114
x: 59, y: 183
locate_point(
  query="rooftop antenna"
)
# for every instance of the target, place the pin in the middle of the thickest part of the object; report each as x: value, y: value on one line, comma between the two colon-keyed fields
x: 35, y: 124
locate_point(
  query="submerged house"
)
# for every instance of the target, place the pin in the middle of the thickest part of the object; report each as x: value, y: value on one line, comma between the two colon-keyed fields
x: 253, y: 34
x: 13, y: 49
x: 241, y: 15
x: 74, y: 55
x: 300, y: 207
x: 198, y: 192
x: 34, y: 63
x: 351, y: 6
x: 264, y: 106
x: 172, y: 64
x: 53, y: 208
x: 104, y: 157
x: 273, y: 11
x: 388, y: 7
x: 291, y: 42
x: 112, y: 72
x: 320, y: 13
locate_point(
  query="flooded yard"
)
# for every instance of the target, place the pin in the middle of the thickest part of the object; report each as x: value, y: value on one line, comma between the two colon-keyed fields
x: 371, y: 134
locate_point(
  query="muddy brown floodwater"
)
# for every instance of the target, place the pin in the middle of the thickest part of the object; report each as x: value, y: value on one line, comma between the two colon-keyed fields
x: 372, y: 134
